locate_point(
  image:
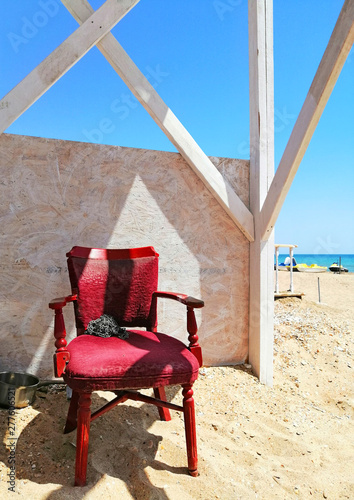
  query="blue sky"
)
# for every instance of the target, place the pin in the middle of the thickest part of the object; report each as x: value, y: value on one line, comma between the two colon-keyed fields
x: 195, y: 53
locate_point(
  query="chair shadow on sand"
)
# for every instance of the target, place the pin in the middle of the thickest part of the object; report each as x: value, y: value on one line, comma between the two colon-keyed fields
x: 120, y: 446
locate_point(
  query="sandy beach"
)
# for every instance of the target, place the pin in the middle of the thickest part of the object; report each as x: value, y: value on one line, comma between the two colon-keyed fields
x: 294, y: 440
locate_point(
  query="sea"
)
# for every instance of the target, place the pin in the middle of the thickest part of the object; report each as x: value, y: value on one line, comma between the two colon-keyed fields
x: 347, y: 260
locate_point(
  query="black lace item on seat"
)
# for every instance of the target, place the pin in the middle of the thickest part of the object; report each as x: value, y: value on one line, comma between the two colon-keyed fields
x: 106, y: 326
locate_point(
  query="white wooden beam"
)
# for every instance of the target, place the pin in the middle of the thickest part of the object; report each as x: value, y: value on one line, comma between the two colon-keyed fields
x: 261, y: 301
x: 323, y: 83
x: 168, y: 122
x: 36, y: 83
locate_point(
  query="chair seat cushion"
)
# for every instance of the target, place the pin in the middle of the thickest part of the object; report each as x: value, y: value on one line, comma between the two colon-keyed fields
x: 144, y: 360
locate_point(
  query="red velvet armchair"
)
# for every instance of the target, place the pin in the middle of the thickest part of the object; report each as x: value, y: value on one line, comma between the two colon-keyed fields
x: 123, y: 284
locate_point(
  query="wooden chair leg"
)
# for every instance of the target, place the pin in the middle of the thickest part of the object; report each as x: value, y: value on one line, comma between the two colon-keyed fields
x: 164, y: 413
x: 190, y: 429
x: 71, y: 420
x: 82, y: 440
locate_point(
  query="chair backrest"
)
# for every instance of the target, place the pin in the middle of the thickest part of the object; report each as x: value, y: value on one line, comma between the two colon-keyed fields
x: 115, y: 282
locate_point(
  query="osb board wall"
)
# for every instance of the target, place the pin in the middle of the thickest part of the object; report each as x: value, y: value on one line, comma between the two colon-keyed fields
x: 56, y: 194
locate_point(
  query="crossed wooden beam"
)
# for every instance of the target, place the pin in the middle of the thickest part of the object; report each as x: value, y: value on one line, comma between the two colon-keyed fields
x: 95, y: 27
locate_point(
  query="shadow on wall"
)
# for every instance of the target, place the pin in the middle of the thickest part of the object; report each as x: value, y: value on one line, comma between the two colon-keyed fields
x: 56, y: 194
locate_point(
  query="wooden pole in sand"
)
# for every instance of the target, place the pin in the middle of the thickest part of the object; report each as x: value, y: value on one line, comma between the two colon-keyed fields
x: 261, y: 302
x: 276, y: 269
x: 291, y: 269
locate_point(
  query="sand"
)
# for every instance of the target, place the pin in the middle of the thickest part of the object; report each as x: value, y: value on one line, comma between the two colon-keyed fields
x: 294, y: 440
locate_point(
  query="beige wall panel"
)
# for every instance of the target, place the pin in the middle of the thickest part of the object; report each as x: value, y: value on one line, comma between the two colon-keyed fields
x: 56, y: 194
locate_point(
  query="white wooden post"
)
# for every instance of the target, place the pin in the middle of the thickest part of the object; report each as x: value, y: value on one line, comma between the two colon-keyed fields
x: 261, y: 312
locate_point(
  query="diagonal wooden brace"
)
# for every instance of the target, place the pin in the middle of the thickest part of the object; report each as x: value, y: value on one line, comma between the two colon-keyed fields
x: 36, y: 83
x: 168, y: 123
x: 326, y: 76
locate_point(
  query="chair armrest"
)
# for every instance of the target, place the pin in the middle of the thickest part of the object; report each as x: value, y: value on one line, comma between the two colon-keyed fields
x: 60, y: 302
x: 61, y: 355
x: 192, y: 328
x: 187, y: 300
